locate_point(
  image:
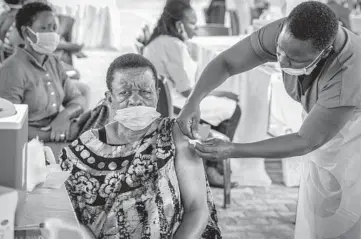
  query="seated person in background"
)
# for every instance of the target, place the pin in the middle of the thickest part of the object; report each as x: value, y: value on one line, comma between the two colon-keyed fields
x: 33, y: 76
x: 136, y: 177
x: 9, y: 36
x: 168, y: 51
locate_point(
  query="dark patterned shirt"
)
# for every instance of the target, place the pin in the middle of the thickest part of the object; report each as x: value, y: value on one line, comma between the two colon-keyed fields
x: 128, y: 191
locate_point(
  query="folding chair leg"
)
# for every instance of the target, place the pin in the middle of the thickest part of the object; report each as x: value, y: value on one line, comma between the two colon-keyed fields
x: 227, y: 183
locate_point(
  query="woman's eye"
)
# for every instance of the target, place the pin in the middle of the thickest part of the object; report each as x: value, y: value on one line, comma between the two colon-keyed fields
x: 123, y: 93
x: 144, y: 92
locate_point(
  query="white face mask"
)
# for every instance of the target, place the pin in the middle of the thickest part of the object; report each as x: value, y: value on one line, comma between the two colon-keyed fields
x: 299, y: 72
x: 46, y: 42
x: 136, y: 118
x: 303, y: 71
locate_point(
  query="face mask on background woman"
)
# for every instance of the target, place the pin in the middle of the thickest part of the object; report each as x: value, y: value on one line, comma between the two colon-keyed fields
x: 46, y: 42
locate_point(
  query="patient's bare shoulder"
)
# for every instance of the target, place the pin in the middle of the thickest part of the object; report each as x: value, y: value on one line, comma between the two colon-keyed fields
x: 183, y: 151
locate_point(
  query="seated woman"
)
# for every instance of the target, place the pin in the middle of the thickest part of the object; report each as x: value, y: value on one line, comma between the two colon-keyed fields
x: 136, y: 177
x: 168, y: 51
x: 33, y: 76
x: 10, y: 37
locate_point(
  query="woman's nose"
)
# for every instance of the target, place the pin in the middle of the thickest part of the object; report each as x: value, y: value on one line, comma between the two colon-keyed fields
x: 134, y: 100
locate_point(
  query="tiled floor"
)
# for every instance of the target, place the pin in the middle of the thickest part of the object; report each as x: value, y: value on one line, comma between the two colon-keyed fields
x: 258, y: 213
x: 255, y: 212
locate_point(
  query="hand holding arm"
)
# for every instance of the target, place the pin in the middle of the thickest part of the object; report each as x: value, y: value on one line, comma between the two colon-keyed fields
x: 320, y: 126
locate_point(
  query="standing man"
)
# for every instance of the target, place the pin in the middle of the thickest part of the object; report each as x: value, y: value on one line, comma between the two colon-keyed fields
x: 321, y: 62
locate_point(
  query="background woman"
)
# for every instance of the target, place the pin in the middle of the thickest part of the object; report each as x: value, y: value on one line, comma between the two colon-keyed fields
x: 35, y: 77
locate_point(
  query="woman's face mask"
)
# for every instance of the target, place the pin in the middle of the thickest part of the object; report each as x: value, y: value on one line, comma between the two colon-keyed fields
x: 46, y: 42
x: 133, y: 98
x: 136, y: 118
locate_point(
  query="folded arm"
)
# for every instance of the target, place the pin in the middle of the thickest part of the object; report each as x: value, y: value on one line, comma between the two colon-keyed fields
x: 34, y: 132
x: 191, y: 177
x: 74, y: 102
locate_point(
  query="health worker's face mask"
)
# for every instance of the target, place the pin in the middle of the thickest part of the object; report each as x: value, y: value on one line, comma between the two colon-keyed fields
x: 46, y: 42
x: 136, y: 118
x: 303, y: 71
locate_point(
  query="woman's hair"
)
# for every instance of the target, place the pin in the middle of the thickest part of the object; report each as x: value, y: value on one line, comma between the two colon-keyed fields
x: 28, y: 13
x: 172, y: 13
x: 129, y: 61
x: 14, y: 2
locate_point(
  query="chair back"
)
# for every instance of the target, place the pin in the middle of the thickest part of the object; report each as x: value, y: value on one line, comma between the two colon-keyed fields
x: 234, y: 23
x: 216, y: 11
x: 213, y: 30
x: 165, y: 105
x: 66, y: 25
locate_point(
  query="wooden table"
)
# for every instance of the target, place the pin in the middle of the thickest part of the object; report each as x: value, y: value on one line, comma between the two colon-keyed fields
x: 42, y: 203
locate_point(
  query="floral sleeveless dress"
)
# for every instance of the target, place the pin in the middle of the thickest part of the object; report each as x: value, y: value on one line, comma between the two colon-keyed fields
x: 129, y: 191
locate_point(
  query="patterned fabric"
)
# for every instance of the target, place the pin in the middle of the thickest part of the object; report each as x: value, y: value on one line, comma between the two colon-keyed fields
x: 129, y: 191
x: 95, y: 118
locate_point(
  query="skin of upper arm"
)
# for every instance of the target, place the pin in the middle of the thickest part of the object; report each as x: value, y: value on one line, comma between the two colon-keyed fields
x: 241, y: 57
x: 246, y: 55
x: 12, y: 84
x: 323, y: 124
x: 190, y: 173
x: 71, y: 89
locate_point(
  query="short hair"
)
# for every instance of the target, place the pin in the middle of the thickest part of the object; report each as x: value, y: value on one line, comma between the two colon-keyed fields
x: 28, y: 13
x: 313, y: 21
x: 14, y: 2
x: 172, y: 13
x: 129, y: 61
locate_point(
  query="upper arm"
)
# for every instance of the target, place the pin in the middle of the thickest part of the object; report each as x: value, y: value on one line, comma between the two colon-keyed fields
x: 190, y: 173
x: 70, y: 87
x: 12, y: 84
x: 337, y: 100
x: 322, y: 124
x: 254, y: 50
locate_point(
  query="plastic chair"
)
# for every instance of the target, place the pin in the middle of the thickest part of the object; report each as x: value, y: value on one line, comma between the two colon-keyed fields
x: 213, y: 30
x: 215, y: 12
x: 165, y: 107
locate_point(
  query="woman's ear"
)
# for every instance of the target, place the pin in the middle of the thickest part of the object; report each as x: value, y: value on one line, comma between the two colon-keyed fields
x: 28, y: 34
x: 179, y: 26
x: 108, y: 97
